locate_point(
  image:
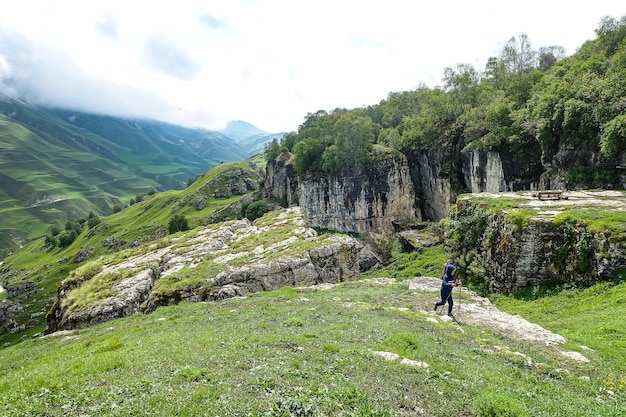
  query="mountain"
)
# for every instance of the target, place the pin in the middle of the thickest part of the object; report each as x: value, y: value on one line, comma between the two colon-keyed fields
x: 58, y: 165
x: 256, y: 144
x: 239, y: 130
x: 249, y: 137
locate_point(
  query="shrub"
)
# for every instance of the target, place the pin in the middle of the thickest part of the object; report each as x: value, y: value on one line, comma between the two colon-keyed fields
x: 66, y: 238
x: 386, y: 245
x: 178, y: 223
x: 50, y: 242
x: 254, y: 210
x: 93, y: 220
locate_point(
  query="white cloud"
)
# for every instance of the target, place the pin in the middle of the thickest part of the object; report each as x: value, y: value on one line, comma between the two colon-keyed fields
x: 269, y: 62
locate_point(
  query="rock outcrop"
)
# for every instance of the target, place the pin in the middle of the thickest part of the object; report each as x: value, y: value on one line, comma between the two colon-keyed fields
x: 504, y: 255
x: 231, y: 260
x: 8, y: 310
x: 483, y: 172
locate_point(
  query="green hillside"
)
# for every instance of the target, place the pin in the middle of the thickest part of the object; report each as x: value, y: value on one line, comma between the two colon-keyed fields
x: 138, y: 226
x: 312, y: 353
x: 58, y: 165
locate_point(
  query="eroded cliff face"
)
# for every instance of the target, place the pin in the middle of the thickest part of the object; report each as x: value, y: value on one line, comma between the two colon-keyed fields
x: 483, y: 172
x: 373, y: 198
x: 389, y: 192
x: 370, y: 199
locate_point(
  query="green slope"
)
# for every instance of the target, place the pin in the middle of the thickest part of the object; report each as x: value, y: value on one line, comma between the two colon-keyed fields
x: 139, y: 226
x: 302, y: 353
x: 59, y: 165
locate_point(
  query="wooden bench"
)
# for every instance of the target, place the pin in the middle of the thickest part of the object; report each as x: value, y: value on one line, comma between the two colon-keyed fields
x: 550, y: 194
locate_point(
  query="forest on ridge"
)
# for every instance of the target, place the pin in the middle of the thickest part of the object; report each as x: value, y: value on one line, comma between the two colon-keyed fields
x: 527, y: 101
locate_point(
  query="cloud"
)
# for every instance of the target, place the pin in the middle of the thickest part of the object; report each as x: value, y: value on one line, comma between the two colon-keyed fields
x: 107, y: 27
x: 211, y: 22
x: 45, y: 75
x: 164, y: 53
x: 269, y: 62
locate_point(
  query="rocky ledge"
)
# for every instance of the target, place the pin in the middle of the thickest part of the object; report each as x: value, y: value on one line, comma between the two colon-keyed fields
x: 216, y: 263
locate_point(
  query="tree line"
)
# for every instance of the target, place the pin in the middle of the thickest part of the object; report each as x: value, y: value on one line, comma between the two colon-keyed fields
x: 524, y: 98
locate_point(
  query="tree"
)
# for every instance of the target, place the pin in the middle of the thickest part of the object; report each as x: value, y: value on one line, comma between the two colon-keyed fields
x: 518, y: 55
x: 354, y: 138
x: 93, y: 220
x: 50, y: 242
x: 307, y: 156
x: 463, y: 81
x: 548, y: 55
x: 613, y: 138
x: 66, y: 238
x: 271, y: 150
x: 254, y: 210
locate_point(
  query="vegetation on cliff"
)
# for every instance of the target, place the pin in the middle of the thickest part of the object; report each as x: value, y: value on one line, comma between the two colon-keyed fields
x: 526, y: 102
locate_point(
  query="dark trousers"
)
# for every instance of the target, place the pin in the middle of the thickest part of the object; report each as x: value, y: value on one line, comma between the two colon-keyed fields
x: 446, y: 296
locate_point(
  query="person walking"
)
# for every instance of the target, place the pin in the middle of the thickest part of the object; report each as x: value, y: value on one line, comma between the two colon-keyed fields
x: 448, y: 282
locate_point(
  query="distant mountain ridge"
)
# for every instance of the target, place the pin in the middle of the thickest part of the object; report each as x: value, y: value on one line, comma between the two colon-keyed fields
x: 249, y: 137
x: 58, y: 164
x: 239, y: 130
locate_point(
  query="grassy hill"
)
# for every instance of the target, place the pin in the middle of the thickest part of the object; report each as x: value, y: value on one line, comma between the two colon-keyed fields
x: 305, y: 351
x: 313, y: 353
x: 57, y: 165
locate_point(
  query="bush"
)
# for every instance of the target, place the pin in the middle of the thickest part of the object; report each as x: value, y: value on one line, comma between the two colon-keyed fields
x: 50, y: 242
x: 178, y: 223
x: 66, y: 238
x: 93, y: 220
x: 386, y: 245
x: 254, y: 210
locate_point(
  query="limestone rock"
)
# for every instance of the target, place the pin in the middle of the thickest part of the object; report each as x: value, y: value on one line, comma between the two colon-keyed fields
x: 128, y: 295
x: 8, y: 309
x: 325, y: 259
x: 509, y: 257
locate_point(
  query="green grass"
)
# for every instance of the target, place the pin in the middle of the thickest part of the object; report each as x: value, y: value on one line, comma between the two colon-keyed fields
x: 593, y: 317
x: 610, y: 222
x: 428, y: 261
x: 298, y: 353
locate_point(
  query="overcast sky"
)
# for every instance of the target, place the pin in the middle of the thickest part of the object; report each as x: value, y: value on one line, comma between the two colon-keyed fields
x: 267, y: 62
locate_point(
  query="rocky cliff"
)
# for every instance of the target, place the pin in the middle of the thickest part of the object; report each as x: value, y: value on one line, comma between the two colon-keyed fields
x: 421, y: 186
x: 394, y: 190
x: 529, y: 245
x: 372, y: 198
